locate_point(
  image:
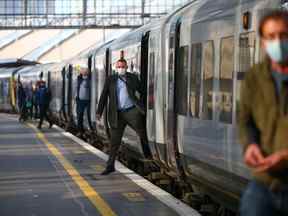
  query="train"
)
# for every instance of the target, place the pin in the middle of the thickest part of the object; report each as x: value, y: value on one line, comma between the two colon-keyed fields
x: 192, y: 62
x: 8, y: 69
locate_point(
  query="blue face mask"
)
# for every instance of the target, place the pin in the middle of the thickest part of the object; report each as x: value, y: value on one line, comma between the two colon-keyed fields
x: 277, y: 50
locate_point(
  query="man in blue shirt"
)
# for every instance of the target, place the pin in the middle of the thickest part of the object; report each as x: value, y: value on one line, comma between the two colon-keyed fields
x: 124, y: 109
x: 83, y: 97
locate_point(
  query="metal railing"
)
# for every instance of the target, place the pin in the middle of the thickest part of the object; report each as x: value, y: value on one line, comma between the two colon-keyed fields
x: 27, y: 14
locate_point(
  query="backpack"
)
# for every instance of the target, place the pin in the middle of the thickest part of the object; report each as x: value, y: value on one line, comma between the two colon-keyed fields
x: 44, y: 96
x: 28, y: 104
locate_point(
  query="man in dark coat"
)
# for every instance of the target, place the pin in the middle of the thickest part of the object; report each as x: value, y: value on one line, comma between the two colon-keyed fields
x: 124, y: 109
x: 43, y: 97
x: 83, y: 97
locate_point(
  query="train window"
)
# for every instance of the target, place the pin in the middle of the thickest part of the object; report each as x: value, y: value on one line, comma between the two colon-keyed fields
x: 195, y: 79
x: 4, y: 91
x: 247, y: 44
x: 208, y: 70
x: 181, y: 81
x: 226, y: 79
x: 151, y: 80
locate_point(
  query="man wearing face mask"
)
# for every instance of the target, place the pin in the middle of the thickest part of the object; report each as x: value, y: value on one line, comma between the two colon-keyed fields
x: 124, y: 109
x: 263, y: 122
x: 83, y: 98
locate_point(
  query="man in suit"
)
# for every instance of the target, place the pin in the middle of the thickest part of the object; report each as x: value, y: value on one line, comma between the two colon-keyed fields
x: 124, y: 109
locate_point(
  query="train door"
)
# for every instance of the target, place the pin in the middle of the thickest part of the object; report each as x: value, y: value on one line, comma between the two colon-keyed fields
x: 94, y: 89
x: 144, y: 67
x: 108, y: 71
x: 89, y: 115
x: 63, y: 93
x: 150, y: 113
x: 66, y: 92
x: 174, y: 85
x: 69, y: 92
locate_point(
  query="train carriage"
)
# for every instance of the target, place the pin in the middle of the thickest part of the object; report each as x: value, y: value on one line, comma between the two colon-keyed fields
x: 7, y: 89
x: 191, y: 63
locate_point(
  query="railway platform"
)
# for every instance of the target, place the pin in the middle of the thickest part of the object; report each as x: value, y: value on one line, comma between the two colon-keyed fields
x: 51, y: 172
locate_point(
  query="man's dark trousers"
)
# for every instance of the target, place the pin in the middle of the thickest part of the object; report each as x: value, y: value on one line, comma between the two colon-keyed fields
x: 44, y: 109
x: 136, y: 121
x: 81, y: 106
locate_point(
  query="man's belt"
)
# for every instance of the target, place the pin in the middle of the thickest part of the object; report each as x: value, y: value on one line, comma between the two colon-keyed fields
x: 127, y: 109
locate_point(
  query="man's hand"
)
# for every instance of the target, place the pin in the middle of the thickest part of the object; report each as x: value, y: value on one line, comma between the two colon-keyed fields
x: 253, y: 156
x: 98, y: 117
x: 273, y: 161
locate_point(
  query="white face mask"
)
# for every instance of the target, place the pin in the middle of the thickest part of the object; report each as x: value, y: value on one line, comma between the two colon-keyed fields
x: 121, y: 71
x: 277, y: 50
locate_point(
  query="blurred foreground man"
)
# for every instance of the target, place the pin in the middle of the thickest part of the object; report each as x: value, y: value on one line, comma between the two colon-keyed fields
x: 124, y: 109
x: 263, y: 122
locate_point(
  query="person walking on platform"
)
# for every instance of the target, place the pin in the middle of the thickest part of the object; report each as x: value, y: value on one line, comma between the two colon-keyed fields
x: 43, y: 97
x: 83, y: 97
x: 35, y: 106
x: 124, y: 109
x: 263, y: 122
x: 21, y: 102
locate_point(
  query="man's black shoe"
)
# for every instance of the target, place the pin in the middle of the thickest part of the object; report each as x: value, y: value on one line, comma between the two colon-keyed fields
x: 107, y: 171
x: 149, y: 158
x: 50, y: 125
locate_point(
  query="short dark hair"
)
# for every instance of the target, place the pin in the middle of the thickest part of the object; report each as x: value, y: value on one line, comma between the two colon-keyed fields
x: 272, y: 15
x: 122, y: 60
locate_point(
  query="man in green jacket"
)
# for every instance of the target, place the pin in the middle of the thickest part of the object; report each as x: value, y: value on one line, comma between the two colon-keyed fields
x: 263, y: 122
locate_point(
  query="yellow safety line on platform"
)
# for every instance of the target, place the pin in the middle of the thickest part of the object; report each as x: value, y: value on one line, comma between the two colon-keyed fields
x: 86, y: 188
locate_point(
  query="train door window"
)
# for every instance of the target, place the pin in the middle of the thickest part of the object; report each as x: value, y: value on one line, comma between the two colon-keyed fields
x: 226, y: 79
x: 207, y: 83
x: 151, y: 80
x: 181, y: 81
x: 195, y: 79
x: 247, y: 44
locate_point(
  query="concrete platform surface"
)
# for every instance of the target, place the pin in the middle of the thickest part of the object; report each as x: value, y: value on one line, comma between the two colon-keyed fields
x: 51, y: 172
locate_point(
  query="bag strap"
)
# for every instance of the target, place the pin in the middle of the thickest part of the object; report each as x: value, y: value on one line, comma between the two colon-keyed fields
x: 125, y: 81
